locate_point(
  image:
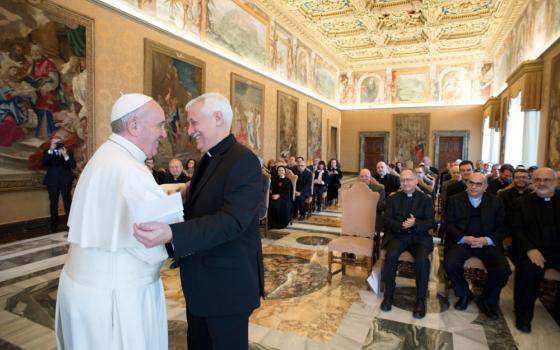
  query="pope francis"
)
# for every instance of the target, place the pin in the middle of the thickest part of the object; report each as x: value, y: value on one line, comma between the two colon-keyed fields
x: 110, y: 295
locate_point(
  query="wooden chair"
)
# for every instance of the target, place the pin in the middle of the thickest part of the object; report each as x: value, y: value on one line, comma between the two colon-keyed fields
x: 293, y: 179
x: 358, y: 228
x: 264, y: 219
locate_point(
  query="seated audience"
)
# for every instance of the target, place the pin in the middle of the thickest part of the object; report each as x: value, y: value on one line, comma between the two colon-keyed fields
x: 292, y: 165
x: 191, y: 163
x: 466, y: 169
x: 390, y: 181
x: 536, y: 243
x: 365, y: 177
x: 280, y: 204
x: 520, y: 187
x: 502, y: 181
x: 494, y: 172
x: 425, y: 184
x: 479, y: 167
x: 303, y: 189
x: 158, y: 175
x: 475, y: 225
x: 335, y: 174
x: 486, y: 169
x: 455, y: 177
x: 315, y: 165
x: 430, y: 170
x: 176, y: 174
x: 320, y: 184
x: 409, y: 216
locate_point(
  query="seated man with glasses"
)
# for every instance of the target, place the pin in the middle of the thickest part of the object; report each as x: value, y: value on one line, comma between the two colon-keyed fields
x: 476, y: 227
x: 536, y: 243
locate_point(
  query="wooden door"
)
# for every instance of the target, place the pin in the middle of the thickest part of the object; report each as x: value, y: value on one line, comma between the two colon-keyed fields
x: 450, y: 149
x: 374, y: 152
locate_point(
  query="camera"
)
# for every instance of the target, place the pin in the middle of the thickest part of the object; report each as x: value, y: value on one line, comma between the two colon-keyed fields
x: 59, y: 145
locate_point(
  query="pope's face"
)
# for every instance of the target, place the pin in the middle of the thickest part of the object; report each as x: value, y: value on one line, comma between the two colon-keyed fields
x: 152, y: 129
x: 202, y: 128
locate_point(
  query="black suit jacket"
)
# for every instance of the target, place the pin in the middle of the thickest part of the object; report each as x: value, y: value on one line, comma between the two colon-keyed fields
x: 508, y: 196
x: 527, y: 222
x: 395, y: 214
x: 391, y: 182
x: 59, y: 170
x: 304, y: 182
x: 492, y: 218
x: 495, y: 185
x: 169, y: 179
x: 219, y: 244
x: 453, y: 189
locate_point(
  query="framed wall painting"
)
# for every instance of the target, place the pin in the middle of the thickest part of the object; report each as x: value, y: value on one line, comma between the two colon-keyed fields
x: 411, y: 85
x: 412, y: 134
x: 173, y: 78
x: 553, y: 145
x: 314, y: 131
x: 287, y: 125
x: 247, y: 100
x: 46, y: 80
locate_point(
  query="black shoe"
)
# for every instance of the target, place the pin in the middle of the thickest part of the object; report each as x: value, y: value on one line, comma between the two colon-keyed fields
x: 301, y: 218
x: 523, y: 326
x: 174, y: 265
x: 420, y: 309
x: 463, y: 302
x: 488, y: 310
x: 386, y: 304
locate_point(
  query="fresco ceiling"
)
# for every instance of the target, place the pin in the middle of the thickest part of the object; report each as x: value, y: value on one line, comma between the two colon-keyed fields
x: 365, y: 33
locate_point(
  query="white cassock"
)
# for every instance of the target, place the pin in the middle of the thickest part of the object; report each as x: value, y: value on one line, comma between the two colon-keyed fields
x: 110, y: 295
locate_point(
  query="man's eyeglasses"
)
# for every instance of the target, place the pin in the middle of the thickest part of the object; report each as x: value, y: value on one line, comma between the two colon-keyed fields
x: 475, y: 184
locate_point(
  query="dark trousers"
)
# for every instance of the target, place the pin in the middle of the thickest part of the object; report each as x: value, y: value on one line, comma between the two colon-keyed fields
x: 299, y: 205
x: 394, y: 248
x: 494, y: 260
x: 318, y: 191
x: 218, y: 333
x: 54, y: 192
x: 528, y: 279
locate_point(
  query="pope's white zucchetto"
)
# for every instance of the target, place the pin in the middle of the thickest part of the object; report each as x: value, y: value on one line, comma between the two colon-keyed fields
x: 128, y: 103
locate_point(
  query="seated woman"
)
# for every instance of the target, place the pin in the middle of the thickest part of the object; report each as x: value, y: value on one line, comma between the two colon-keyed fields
x: 191, y: 163
x: 335, y: 174
x: 280, y: 205
x: 320, y: 184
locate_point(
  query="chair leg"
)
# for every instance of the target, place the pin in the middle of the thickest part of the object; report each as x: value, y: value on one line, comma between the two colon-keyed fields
x: 329, y: 273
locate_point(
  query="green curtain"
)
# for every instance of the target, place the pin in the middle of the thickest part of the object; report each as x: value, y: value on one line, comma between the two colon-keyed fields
x: 77, y: 40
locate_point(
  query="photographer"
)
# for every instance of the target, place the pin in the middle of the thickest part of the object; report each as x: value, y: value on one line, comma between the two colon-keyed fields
x: 59, y: 163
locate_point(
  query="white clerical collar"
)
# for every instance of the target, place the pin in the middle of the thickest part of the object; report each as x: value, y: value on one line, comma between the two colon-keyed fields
x: 209, y: 154
x: 136, y: 152
x: 409, y: 194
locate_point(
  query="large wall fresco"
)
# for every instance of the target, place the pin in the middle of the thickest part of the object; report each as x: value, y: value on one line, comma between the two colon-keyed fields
x: 241, y: 28
x: 535, y: 30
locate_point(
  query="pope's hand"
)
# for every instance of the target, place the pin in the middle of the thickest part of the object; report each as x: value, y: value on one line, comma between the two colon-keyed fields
x: 151, y: 234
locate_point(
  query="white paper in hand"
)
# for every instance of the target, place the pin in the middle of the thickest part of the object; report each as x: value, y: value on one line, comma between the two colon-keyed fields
x: 166, y: 209
x: 373, y: 281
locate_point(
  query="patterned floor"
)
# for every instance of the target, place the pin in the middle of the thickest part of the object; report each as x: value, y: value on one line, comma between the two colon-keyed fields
x: 301, y: 310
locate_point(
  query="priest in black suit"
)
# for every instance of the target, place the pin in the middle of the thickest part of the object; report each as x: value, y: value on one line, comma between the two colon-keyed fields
x: 409, y: 215
x: 476, y: 227
x: 59, y: 163
x: 304, y: 186
x: 218, y: 245
x: 391, y: 182
x: 536, y: 243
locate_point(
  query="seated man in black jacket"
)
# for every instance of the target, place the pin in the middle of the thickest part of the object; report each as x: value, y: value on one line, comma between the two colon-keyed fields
x: 536, y: 243
x: 502, y: 181
x: 303, y: 188
x: 476, y: 227
x: 508, y: 195
x: 176, y: 174
x: 409, y: 215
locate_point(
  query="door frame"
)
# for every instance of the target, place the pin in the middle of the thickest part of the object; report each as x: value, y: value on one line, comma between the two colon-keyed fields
x: 386, y: 143
x: 436, y: 134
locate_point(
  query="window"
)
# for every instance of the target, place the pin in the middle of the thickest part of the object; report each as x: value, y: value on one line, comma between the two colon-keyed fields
x: 490, y: 142
x: 522, y: 132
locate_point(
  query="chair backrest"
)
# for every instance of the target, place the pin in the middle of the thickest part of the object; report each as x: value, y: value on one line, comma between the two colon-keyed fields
x: 359, y: 206
x: 266, y: 194
x: 293, y: 179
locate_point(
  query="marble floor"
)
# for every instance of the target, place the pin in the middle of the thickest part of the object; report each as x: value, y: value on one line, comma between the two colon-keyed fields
x: 301, y: 311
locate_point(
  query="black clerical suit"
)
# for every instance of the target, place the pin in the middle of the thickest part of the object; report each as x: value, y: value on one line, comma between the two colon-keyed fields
x: 334, y: 183
x: 391, y: 182
x: 508, y: 196
x: 219, y: 247
x: 535, y: 225
x: 303, y: 186
x: 59, y: 180
x: 170, y: 179
x: 416, y: 239
x: 497, y: 184
x: 487, y: 220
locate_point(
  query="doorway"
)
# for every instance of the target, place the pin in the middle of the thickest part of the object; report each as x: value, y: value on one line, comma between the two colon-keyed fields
x: 450, y: 146
x: 374, y: 148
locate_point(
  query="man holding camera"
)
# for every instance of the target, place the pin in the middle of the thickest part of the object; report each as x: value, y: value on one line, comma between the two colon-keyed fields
x: 59, y: 163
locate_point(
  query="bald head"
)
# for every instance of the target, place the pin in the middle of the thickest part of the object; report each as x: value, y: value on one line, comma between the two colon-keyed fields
x: 455, y: 173
x: 365, y: 176
x: 544, y: 180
